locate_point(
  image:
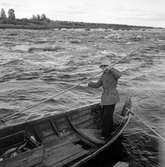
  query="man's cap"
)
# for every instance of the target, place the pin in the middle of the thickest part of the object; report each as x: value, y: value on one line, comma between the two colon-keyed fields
x: 104, y: 64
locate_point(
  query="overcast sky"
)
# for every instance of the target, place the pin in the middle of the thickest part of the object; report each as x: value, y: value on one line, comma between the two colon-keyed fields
x: 133, y: 12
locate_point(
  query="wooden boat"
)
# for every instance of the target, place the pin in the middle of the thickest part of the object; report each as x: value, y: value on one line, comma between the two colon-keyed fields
x: 67, y: 139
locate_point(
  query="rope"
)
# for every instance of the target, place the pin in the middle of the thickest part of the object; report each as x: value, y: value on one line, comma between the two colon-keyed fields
x: 66, y: 90
x: 149, y: 126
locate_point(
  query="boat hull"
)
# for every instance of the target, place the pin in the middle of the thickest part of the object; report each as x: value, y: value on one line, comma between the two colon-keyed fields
x: 58, y: 140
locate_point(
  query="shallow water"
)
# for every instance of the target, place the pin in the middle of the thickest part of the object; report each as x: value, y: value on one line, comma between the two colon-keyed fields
x: 36, y: 65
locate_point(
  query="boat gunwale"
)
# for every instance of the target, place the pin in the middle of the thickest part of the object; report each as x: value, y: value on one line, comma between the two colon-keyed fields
x: 47, y: 118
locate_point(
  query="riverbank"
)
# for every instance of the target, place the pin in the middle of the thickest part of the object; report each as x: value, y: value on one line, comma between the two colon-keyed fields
x: 73, y: 25
x: 12, y: 26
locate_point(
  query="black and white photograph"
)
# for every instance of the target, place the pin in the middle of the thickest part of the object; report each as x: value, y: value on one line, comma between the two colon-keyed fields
x: 82, y: 83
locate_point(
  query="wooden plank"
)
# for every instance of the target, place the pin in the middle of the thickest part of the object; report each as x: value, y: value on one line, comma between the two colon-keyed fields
x: 71, y: 158
x: 80, y: 114
x: 59, y: 154
x: 51, y: 146
x: 62, y: 124
x: 61, y: 120
x: 55, y: 150
x: 48, y: 139
x: 81, y: 119
x: 45, y: 129
x: 86, y: 124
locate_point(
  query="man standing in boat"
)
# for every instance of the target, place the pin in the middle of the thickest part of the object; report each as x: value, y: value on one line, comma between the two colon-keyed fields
x: 110, y: 96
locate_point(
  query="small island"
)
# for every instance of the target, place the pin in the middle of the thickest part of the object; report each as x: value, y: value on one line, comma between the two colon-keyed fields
x: 42, y: 22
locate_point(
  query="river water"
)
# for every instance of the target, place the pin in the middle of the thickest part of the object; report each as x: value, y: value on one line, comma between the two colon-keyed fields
x: 36, y: 65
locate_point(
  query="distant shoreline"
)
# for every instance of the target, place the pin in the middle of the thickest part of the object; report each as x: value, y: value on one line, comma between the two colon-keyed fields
x: 34, y: 27
x: 72, y: 25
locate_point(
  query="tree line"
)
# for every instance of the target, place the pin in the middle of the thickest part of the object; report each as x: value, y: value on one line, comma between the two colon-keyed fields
x: 11, y: 18
x: 42, y: 21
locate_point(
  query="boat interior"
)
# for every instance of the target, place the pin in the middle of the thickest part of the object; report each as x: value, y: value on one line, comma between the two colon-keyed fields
x: 55, y: 141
